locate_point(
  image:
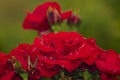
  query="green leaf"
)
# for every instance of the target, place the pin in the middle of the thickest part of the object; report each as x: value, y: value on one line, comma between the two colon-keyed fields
x: 87, y: 75
x: 24, y: 76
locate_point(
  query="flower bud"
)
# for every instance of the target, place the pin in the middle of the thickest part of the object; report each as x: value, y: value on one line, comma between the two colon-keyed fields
x: 53, y: 16
x: 73, y: 20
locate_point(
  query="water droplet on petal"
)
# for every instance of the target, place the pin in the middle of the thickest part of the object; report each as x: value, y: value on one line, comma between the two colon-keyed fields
x: 52, y: 58
x: 22, y: 50
x: 71, y: 53
x: 33, y: 49
x: 62, y: 66
x: 45, y: 57
x: 41, y: 42
x: 41, y: 64
x: 76, y: 39
x: 114, y: 71
x: 32, y: 72
x: 77, y: 52
x: 119, y: 55
x: 82, y: 45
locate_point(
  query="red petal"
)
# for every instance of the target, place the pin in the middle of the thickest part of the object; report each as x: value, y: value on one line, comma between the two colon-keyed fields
x: 8, y: 76
x: 109, y: 63
x: 2, y: 54
x: 66, y: 15
x: 69, y: 65
x: 21, y: 53
x: 47, y: 72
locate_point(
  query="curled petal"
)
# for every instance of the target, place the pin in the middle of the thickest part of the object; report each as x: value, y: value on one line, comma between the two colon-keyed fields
x: 69, y: 65
x: 66, y: 15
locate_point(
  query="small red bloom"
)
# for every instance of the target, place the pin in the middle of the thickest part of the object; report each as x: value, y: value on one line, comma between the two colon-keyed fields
x: 73, y: 20
x: 44, y: 15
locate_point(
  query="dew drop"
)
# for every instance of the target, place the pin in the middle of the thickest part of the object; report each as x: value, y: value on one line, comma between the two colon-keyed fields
x: 119, y: 55
x: 22, y: 50
x: 77, y: 52
x: 83, y: 45
x: 33, y: 49
x: 67, y: 40
x: 32, y: 72
x: 71, y: 53
x: 76, y: 39
x: 45, y: 57
x: 41, y: 42
x: 114, y: 71
x: 41, y: 64
x: 52, y: 58
x: 62, y: 66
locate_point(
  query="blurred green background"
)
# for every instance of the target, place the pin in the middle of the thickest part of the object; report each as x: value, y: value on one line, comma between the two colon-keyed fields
x: 100, y: 20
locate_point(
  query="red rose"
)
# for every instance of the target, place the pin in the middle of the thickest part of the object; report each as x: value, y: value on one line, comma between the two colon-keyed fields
x: 27, y: 56
x: 7, y: 71
x: 21, y: 53
x: 73, y: 20
x: 87, y: 51
x: 44, y: 15
x: 55, y: 48
x: 109, y: 62
x: 5, y: 65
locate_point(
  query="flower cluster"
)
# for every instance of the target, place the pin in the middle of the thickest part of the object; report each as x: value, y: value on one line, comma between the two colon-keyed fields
x: 45, y: 15
x: 58, y: 56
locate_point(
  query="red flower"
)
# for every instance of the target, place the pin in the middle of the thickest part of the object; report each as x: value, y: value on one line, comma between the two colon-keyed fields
x: 87, y: 52
x: 65, y: 50
x: 44, y: 15
x: 5, y: 65
x: 109, y: 62
x: 21, y: 53
x: 73, y: 20
x: 53, y: 49
x: 27, y: 56
x: 7, y: 71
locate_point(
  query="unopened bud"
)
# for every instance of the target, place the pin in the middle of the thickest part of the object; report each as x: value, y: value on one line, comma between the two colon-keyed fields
x: 53, y: 16
x: 74, y: 20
